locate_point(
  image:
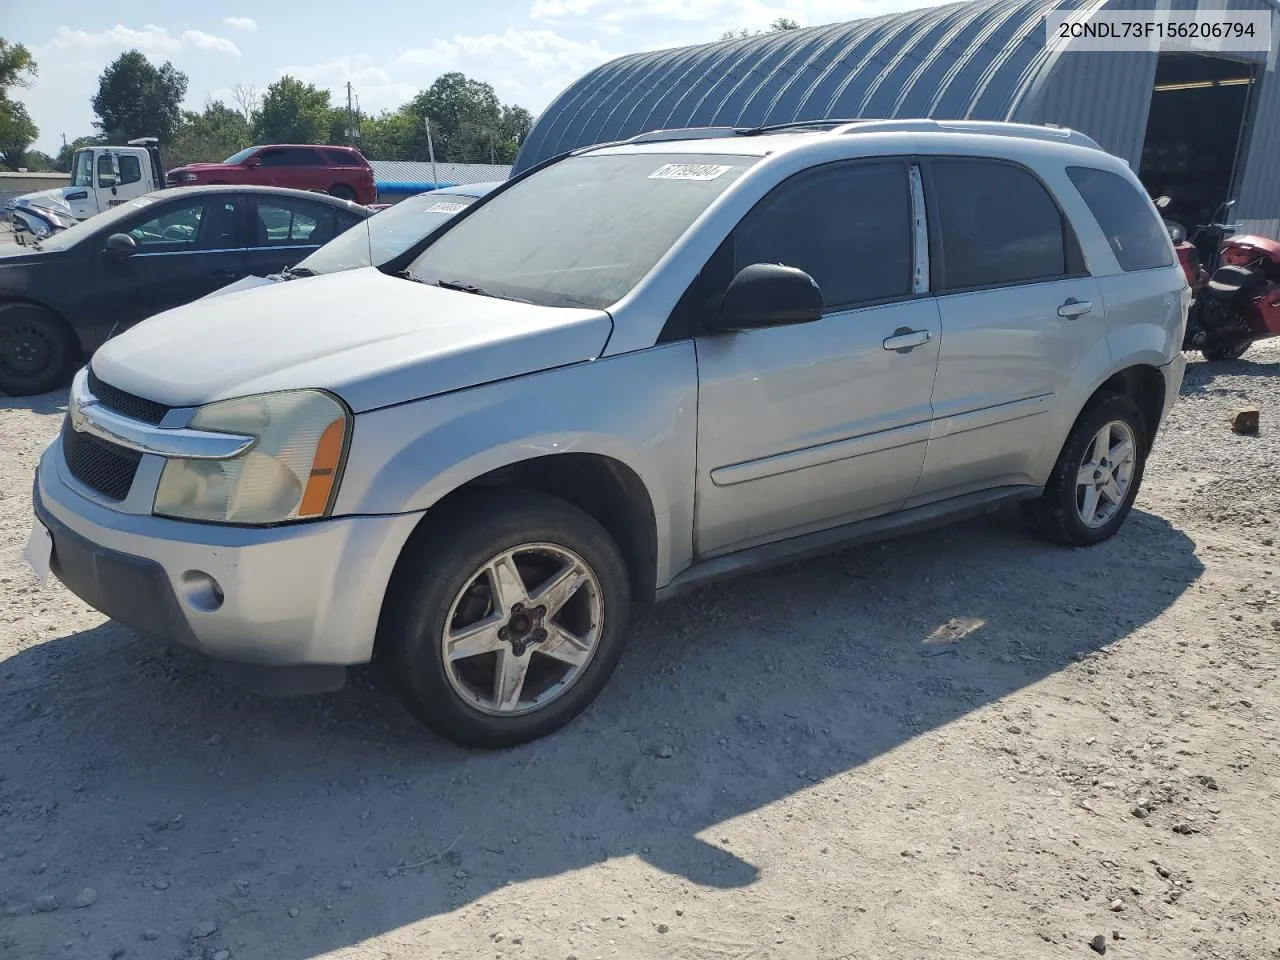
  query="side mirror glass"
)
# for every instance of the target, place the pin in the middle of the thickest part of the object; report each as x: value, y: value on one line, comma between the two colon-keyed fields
x: 768, y: 295
x: 121, y: 245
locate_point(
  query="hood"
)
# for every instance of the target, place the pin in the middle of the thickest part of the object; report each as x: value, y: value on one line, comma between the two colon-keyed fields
x: 203, y: 167
x: 372, y: 339
x: 54, y: 199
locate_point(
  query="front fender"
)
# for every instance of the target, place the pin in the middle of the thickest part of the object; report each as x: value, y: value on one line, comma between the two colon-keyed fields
x: 639, y: 409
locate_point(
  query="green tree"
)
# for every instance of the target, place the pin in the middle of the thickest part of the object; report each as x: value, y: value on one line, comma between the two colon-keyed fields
x: 389, y: 135
x: 465, y: 116
x: 17, y: 66
x: 209, y: 136
x: 17, y: 133
x: 137, y: 99
x: 39, y: 161
x: 781, y: 25
x: 293, y: 112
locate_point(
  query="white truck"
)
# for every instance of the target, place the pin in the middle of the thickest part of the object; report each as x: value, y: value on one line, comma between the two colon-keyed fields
x: 103, y: 177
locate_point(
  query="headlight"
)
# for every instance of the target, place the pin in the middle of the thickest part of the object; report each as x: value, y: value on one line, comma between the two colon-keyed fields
x: 291, y: 473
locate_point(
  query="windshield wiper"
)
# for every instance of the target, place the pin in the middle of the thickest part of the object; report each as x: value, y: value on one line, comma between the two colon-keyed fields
x: 461, y: 287
x: 291, y: 272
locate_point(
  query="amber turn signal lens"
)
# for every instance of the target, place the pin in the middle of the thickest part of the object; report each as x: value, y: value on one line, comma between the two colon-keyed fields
x: 324, y: 470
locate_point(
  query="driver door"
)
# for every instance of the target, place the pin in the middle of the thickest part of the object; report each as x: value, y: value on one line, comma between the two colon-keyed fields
x: 806, y: 427
x: 186, y: 248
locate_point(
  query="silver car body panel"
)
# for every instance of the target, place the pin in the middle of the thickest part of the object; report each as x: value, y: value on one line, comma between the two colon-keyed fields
x: 745, y: 443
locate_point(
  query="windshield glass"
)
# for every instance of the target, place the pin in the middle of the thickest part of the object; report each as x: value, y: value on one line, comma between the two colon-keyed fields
x: 82, y: 169
x: 242, y: 156
x: 387, y: 233
x: 100, y: 224
x: 581, y: 232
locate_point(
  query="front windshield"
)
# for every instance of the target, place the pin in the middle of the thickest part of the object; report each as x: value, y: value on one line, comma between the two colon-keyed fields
x: 386, y: 234
x: 82, y: 169
x: 242, y: 156
x: 581, y: 232
x: 100, y: 224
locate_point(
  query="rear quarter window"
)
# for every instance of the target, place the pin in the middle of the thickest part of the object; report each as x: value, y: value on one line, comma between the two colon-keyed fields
x: 345, y: 158
x: 1137, y: 237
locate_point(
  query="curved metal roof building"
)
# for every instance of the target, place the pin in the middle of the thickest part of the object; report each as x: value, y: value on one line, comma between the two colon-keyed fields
x: 980, y: 60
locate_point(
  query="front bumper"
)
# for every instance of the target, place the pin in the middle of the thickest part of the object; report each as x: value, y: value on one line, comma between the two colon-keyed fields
x: 299, y: 602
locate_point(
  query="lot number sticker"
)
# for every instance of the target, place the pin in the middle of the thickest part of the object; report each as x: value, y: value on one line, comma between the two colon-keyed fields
x: 689, y: 171
x: 446, y: 206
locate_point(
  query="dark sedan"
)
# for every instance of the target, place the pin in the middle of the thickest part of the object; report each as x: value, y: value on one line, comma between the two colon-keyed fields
x: 60, y: 299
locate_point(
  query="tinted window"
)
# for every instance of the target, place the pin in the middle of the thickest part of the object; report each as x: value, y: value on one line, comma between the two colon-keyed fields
x: 130, y: 169
x: 291, y: 157
x: 581, y: 232
x: 344, y: 158
x: 294, y: 222
x: 241, y: 156
x: 104, y: 170
x: 997, y: 225
x: 1137, y: 237
x: 174, y: 229
x: 847, y: 225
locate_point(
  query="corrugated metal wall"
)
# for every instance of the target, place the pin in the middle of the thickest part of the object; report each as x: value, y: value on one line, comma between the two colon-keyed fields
x: 985, y: 59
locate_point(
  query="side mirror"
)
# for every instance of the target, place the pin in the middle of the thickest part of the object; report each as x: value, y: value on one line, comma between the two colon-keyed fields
x: 121, y: 245
x: 768, y: 295
x: 254, y: 161
x: 1162, y: 202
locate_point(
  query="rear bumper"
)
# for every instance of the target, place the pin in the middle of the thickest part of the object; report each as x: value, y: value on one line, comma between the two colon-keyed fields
x: 294, y: 605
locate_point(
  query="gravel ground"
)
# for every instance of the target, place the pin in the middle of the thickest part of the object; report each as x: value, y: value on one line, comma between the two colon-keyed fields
x: 960, y: 744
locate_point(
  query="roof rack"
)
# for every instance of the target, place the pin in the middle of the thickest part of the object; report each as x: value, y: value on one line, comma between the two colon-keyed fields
x: 1049, y: 131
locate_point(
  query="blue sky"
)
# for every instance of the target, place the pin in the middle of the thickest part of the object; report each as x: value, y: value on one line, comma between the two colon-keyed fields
x: 528, y: 49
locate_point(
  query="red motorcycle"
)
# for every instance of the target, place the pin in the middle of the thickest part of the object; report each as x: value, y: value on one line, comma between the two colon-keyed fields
x: 1236, y: 299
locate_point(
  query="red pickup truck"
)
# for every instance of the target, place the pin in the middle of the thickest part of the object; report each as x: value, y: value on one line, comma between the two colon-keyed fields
x: 339, y: 171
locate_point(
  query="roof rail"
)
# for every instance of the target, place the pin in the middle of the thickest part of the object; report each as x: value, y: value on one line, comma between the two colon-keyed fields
x: 1048, y: 131
x: 681, y: 133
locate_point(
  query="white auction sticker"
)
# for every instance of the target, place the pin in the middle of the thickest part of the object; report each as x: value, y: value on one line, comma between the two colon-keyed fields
x: 689, y: 171
x: 1214, y: 31
x: 446, y: 206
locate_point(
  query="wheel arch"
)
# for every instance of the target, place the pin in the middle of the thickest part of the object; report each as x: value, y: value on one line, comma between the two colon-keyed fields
x: 1145, y: 386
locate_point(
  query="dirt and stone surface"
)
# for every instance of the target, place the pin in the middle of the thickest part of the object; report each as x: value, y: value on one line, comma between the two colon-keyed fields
x: 961, y: 744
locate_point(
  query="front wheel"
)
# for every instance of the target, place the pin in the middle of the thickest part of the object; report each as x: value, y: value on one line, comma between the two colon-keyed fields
x: 36, y: 350
x: 1096, y: 478
x: 505, y: 620
x: 1227, y: 351
x: 342, y: 192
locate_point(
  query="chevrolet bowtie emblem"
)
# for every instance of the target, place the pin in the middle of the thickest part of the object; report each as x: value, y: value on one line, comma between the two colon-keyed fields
x: 77, y: 412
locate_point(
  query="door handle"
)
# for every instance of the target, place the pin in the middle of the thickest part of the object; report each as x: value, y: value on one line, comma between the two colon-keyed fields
x: 1074, y: 308
x: 905, y: 339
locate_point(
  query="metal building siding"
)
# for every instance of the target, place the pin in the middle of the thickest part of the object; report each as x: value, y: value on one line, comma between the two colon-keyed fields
x: 1259, y: 208
x: 961, y: 60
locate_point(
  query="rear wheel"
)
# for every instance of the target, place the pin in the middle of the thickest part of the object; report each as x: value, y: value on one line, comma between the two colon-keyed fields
x: 36, y: 350
x: 506, y: 619
x: 342, y: 192
x: 1096, y: 478
x: 1227, y: 351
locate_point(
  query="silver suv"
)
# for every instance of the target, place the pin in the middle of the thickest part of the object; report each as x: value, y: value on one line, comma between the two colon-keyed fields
x: 627, y: 372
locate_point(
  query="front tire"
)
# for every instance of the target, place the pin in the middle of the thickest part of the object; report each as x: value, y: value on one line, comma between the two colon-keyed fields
x: 342, y: 192
x: 1097, y: 476
x: 36, y: 350
x: 505, y: 619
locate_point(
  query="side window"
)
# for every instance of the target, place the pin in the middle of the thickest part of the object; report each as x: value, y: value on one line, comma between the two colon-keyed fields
x: 343, y: 158
x: 130, y: 169
x: 302, y: 157
x: 848, y: 225
x: 997, y: 225
x: 286, y: 222
x: 274, y: 158
x: 104, y: 170
x: 175, y: 229
x: 1138, y: 238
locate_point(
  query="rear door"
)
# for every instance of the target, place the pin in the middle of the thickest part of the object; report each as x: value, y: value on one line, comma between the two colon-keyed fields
x: 186, y: 247
x: 284, y: 230
x: 806, y: 427
x: 1019, y: 313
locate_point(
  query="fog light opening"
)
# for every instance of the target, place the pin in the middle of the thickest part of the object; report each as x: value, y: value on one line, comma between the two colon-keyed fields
x: 201, y: 591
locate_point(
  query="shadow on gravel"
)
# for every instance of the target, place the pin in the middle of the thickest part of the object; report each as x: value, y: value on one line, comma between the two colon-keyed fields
x: 1200, y: 375
x: 182, y: 800
x: 54, y: 402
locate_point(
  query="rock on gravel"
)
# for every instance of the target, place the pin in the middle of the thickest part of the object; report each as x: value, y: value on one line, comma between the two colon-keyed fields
x: 205, y: 928
x: 86, y: 897
x: 46, y: 904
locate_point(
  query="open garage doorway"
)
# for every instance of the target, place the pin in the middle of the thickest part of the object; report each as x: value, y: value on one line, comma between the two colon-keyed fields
x: 1197, y: 132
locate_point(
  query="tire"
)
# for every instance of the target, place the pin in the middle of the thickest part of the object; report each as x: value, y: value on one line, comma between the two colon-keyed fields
x: 1059, y: 513
x: 441, y: 581
x: 36, y: 350
x: 342, y: 192
x: 1224, y: 352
